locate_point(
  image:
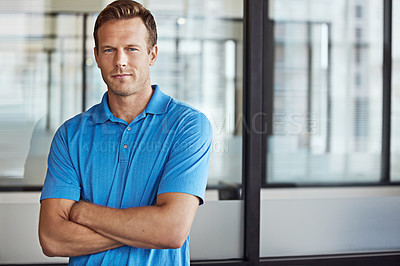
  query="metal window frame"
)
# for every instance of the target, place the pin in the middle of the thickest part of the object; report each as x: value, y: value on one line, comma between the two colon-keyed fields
x: 387, y: 90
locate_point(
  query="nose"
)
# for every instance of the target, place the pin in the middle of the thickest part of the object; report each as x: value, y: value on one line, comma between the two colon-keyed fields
x: 121, y: 59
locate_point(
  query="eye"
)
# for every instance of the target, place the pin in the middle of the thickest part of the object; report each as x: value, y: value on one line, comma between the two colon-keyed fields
x: 132, y: 49
x: 108, y: 50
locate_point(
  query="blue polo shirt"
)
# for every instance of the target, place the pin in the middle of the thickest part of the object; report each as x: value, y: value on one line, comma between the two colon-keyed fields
x: 102, y: 159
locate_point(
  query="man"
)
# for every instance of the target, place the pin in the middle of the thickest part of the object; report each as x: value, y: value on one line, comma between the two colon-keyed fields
x: 125, y: 178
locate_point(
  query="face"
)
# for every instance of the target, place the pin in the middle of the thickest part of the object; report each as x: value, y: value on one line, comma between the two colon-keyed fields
x: 123, y: 56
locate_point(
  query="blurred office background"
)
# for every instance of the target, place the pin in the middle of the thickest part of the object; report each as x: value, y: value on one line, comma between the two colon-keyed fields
x: 49, y: 75
x: 331, y: 139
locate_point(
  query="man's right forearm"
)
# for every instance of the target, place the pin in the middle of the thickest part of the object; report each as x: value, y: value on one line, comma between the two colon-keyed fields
x: 74, y: 240
x: 60, y: 237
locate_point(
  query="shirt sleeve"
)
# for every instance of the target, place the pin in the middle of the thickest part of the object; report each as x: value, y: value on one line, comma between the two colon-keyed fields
x: 186, y: 170
x: 61, y: 179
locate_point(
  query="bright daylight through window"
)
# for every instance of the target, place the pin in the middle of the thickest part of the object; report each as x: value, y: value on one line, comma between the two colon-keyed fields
x: 327, y: 92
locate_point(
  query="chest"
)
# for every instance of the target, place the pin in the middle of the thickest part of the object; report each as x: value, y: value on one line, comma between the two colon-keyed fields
x: 121, y: 165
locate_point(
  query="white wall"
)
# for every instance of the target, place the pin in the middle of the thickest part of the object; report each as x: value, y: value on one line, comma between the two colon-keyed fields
x: 317, y: 221
x: 217, y: 231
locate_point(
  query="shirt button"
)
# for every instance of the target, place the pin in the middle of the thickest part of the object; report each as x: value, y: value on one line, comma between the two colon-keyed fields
x: 129, y: 128
x: 125, y: 146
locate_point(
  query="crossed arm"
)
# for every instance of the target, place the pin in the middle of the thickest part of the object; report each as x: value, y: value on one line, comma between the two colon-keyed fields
x: 68, y: 228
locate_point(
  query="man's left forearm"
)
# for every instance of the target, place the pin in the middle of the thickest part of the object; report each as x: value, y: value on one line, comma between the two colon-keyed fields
x: 104, y: 220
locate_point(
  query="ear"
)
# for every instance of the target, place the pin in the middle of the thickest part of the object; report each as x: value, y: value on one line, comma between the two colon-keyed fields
x: 153, y: 55
x: 96, y: 56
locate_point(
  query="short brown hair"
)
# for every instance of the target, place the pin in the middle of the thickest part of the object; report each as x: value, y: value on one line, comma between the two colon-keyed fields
x: 127, y: 9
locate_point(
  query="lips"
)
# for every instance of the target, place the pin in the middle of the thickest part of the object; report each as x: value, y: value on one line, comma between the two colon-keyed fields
x: 121, y: 76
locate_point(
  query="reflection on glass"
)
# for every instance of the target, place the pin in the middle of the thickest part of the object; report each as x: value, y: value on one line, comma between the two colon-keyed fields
x: 40, y: 88
x: 395, y: 134
x: 327, y: 115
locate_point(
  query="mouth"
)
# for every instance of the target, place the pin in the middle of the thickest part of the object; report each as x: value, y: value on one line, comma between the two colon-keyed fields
x: 121, y: 76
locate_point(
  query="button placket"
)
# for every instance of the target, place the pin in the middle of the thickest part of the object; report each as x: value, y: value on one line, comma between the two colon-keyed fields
x: 126, y: 145
x: 124, y: 151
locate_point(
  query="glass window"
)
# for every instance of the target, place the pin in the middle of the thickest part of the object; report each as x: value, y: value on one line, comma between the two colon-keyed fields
x: 395, y: 139
x: 327, y: 93
x: 40, y: 88
x: 200, y: 63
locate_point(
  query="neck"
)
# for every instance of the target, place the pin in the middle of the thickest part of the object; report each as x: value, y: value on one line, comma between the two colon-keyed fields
x: 129, y: 107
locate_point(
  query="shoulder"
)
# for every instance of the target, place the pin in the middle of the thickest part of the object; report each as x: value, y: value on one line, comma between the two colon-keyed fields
x: 79, y: 122
x: 184, y: 111
x: 190, y: 124
x: 188, y: 116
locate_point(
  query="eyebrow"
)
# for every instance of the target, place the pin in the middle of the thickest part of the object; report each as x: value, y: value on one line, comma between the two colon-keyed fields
x: 106, y: 46
x: 127, y: 45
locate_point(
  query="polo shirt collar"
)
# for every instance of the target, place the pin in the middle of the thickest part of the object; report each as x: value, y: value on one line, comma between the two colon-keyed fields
x: 103, y: 113
x: 158, y: 104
